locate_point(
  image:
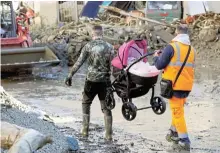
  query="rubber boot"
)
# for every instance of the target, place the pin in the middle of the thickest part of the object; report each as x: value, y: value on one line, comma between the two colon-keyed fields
x: 172, y: 136
x: 108, y: 128
x: 184, y: 144
x: 85, y: 125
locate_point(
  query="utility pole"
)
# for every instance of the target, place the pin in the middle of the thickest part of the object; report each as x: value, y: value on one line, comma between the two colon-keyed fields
x: 13, y: 19
x: 76, y: 12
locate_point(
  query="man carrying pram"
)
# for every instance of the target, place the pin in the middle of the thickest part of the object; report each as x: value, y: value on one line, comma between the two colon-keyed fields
x: 99, y: 54
x: 171, y: 59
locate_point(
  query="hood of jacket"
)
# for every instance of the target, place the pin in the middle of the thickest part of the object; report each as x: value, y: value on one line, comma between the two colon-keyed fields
x: 182, y: 38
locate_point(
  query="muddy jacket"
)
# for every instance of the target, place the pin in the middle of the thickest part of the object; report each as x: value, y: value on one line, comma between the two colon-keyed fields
x: 99, y: 54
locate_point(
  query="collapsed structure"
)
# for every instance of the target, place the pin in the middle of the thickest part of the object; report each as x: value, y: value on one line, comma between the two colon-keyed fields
x: 68, y: 39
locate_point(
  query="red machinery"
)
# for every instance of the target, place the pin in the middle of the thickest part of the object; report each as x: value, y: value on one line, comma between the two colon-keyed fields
x: 17, y: 52
x: 23, y: 31
x: 17, y: 28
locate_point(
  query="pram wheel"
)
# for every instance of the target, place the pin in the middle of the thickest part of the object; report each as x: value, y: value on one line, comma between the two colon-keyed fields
x: 110, y: 104
x: 158, y: 105
x: 129, y: 111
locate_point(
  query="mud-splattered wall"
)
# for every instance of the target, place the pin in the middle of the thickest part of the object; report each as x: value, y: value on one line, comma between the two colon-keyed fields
x: 70, y: 10
x: 46, y: 12
x: 50, y: 13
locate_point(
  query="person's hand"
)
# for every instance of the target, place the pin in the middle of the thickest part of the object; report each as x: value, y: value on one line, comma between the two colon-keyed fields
x: 157, y: 53
x: 116, y: 47
x: 68, y: 81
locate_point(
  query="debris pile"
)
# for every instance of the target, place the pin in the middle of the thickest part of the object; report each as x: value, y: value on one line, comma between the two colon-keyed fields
x: 19, y: 139
x: 204, y: 32
x: 23, y: 129
x: 66, y: 42
x: 209, y: 20
x: 68, y: 39
x: 205, y: 27
x: 205, y: 35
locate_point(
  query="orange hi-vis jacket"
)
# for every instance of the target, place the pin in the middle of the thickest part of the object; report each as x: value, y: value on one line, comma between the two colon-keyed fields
x: 186, y: 78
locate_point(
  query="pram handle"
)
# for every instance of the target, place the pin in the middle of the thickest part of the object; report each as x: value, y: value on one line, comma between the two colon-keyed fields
x: 141, y: 58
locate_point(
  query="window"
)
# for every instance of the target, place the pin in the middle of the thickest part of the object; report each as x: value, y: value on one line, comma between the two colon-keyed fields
x: 80, y: 2
x: 5, y: 13
x: 7, y: 27
x: 162, y: 5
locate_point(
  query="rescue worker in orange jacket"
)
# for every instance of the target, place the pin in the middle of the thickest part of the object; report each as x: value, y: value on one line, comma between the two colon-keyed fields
x: 171, y: 60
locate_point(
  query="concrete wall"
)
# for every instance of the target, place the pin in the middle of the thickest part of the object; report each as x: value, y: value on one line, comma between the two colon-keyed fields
x: 70, y: 10
x: 49, y: 12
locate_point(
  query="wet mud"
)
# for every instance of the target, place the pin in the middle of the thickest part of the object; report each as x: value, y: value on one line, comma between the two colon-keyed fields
x: 146, y: 133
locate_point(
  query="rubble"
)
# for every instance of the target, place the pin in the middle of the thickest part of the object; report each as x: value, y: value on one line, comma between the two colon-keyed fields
x: 121, y: 12
x: 204, y: 32
x: 20, y: 139
x: 8, y: 101
x: 208, y: 20
x: 206, y: 26
x: 32, y: 124
x: 207, y: 35
x: 67, y: 41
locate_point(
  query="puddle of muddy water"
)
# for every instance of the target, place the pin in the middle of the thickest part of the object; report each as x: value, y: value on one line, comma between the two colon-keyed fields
x: 146, y: 131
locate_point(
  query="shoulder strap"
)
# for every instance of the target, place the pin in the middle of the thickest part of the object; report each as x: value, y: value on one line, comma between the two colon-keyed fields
x: 182, y: 65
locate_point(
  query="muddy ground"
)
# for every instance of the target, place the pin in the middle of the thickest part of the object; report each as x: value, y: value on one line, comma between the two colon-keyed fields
x: 46, y: 90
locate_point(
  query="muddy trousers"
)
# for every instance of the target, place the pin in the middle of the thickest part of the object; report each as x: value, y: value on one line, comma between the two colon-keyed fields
x: 91, y: 89
x: 178, y: 120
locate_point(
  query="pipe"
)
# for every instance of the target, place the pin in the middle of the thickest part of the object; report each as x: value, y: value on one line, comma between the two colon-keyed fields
x: 23, y: 50
x: 13, y: 21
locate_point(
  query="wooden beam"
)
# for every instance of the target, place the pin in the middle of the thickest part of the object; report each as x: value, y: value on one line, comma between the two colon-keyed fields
x: 114, y: 9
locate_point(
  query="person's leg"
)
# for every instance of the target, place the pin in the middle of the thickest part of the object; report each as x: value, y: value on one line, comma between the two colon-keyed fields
x: 172, y: 127
x: 107, y: 113
x: 172, y: 135
x: 177, y: 108
x: 88, y: 95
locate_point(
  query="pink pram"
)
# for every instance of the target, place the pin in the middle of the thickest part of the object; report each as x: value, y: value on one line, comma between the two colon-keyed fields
x: 128, y: 85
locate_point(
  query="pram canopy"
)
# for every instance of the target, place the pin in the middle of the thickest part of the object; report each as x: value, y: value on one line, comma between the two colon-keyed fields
x: 140, y: 72
x: 128, y: 52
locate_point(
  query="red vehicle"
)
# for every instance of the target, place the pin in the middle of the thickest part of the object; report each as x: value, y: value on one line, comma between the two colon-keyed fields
x: 17, y: 52
x: 14, y: 30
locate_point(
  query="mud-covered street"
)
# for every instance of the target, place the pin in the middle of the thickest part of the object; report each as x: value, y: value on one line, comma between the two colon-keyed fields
x: 40, y: 114
x: 146, y: 133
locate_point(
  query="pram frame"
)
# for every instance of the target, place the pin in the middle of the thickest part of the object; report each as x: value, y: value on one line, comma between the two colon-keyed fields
x: 126, y: 70
x: 153, y: 100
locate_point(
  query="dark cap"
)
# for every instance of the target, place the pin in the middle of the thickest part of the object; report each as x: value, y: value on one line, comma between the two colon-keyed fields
x: 182, y: 28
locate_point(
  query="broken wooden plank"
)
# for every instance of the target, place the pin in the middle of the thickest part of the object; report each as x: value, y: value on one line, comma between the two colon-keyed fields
x: 114, y: 9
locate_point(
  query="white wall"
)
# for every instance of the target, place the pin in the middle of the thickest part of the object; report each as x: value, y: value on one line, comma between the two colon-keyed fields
x: 213, y: 6
x: 197, y: 7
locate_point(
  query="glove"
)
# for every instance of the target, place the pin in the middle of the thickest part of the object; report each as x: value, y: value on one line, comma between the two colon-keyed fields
x: 68, y: 81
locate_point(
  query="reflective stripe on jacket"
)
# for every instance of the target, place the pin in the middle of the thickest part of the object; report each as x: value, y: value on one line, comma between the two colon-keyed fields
x: 186, y: 78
